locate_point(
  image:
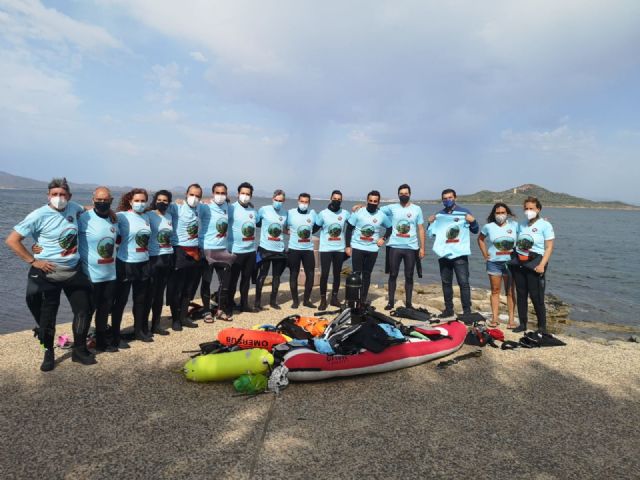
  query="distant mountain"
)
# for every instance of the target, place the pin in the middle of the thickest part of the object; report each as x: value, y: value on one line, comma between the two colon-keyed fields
x: 15, y: 182
x: 515, y: 196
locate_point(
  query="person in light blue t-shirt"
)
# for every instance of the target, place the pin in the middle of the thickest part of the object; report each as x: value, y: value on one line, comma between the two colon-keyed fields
x: 534, y: 247
x: 451, y: 228
x: 271, y: 220
x: 406, y: 243
x: 54, y: 227
x: 97, y: 235
x: 242, y: 242
x: 332, y: 222
x: 500, y: 233
x: 365, y: 234
x: 300, y: 226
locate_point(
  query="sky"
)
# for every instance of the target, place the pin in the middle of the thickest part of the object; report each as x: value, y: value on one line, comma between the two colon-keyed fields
x: 312, y: 96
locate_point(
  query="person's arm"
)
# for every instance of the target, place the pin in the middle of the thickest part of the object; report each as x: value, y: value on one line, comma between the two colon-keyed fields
x: 483, y: 247
x: 14, y: 242
x: 473, y: 223
x: 423, y: 240
x: 548, y: 250
x: 348, y: 234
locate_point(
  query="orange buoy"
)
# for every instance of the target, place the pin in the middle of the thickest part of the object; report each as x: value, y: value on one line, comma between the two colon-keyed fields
x: 250, y: 338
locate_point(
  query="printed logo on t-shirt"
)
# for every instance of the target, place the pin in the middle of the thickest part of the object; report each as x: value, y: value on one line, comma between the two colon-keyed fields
x: 525, y: 242
x: 274, y: 230
x: 366, y: 233
x: 504, y: 245
x: 68, y: 241
x: 105, y: 249
x: 334, y: 232
x: 248, y: 231
x: 221, y: 227
x: 453, y: 233
x: 142, y: 240
x: 403, y: 228
x: 164, y: 238
x: 192, y: 229
x: 304, y: 234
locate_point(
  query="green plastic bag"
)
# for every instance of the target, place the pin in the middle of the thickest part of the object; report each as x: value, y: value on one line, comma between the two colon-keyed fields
x: 250, y: 384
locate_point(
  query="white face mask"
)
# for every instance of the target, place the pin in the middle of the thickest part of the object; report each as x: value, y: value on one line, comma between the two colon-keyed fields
x: 59, y: 203
x: 303, y: 206
x: 138, y: 207
x: 531, y: 214
x: 501, y: 218
x: 219, y: 199
x: 243, y: 198
x: 193, y: 201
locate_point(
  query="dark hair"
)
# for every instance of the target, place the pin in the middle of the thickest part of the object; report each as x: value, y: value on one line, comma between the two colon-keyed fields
x: 448, y: 190
x: 125, y: 200
x: 279, y: 191
x: 373, y: 193
x: 336, y: 192
x: 404, y: 185
x: 492, y: 215
x: 59, y: 183
x: 532, y: 200
x: 218, y: 184
x: 245, y: 185
x: 166, y: 193
x: 196, y: 185
x: 304, y: 195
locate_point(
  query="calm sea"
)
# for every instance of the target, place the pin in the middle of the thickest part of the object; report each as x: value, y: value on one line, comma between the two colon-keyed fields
x: 593, y: 267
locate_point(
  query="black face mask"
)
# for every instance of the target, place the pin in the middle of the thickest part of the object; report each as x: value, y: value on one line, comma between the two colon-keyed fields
x: 334, y: 205
x: 102, y: 208
x: 404, y: 199
x: 372, y: 207
x: 162, y: 206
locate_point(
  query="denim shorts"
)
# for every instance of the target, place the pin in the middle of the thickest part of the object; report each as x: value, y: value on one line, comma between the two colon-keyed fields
x: 497, y: 268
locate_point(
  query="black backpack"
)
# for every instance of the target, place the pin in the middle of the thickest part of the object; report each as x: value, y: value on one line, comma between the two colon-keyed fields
x: 367, y: 335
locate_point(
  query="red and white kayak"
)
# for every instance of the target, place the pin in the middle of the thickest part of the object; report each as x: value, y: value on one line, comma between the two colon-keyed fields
x: 308, y: 365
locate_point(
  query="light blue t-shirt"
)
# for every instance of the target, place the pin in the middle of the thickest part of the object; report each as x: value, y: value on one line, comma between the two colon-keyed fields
x: 368, y: 229
x: 56, y: 232
x: 501, y: 239
x: 405, y: 221
x: 161, y: 233
x: 134, y: 234
x: 272, y: 228
x: 452, y: 235
x: 531, y: 237
x: 186, y: 225
x: 214, y: 224
x: 300, y: 229
x: 242, y: 228
x: 332, y: 231
x: 97, y: 245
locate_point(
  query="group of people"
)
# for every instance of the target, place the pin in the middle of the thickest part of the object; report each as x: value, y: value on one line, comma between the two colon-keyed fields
x: 160, y: 250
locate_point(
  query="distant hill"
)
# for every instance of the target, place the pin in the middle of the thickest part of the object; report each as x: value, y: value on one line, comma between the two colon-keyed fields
x: 15, y: 182
x: 515, y: 196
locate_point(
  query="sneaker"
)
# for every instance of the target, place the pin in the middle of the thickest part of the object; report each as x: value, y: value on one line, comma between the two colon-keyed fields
x: 83, y: 356
x: 446, y: 314
x: 159, y: 331
x: 176, y: 326
x: 141, y: 337
x: 323, y: 304
x: 275, y: 306
x: 106, y: 348
x: 520, y: 328
x: 295, y: 304
x: 334, y: 301
x: 189, y: 324
x: 308, y: 304
x: 48, y: 363
x: 388, y: 306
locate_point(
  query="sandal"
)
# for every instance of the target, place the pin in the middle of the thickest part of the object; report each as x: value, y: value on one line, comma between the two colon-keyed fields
x: 208, y: 318
x: 220, y: 315
x: 494, y: 325
x: 511, y: 326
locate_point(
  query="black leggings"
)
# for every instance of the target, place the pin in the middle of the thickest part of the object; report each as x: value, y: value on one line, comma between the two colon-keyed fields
x: 364, y: 261
x: 278, y: 262
x: 181, y: 284
x: 397, y: 255
x: 43, y: 300
x: 243, y: 265
x: 328, y: 260
x: 160, y: 269
x: 308, y: 260
x: 102, y: 301
x: 220, y: 261
x: 530, y: 284
x: 131, y: 276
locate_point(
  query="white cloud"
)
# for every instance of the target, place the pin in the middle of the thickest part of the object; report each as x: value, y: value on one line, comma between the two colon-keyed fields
x: 559, y: 140
x: 124, y: 147
x: 198, y: 57
x: 165, y: 79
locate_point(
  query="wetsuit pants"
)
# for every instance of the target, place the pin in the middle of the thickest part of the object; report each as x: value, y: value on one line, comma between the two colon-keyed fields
x: 460, y: 266
x: 408, y: 256
x: 242, y: 269
x: 160, y: 268
x: 131, y: 277
x: 363, y: 261
x: 43, y: 300
x: 182, y: 282
x: 221, y: 261
x: 308, y: 261
x: 278, y: 262
x: 530, y: 284
x: 102, y: 294
x: 330, y: 260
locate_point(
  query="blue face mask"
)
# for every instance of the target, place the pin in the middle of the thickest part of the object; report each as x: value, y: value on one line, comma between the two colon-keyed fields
x: 138, y: 207
x: 276, y: 204
x: 448, y: 203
